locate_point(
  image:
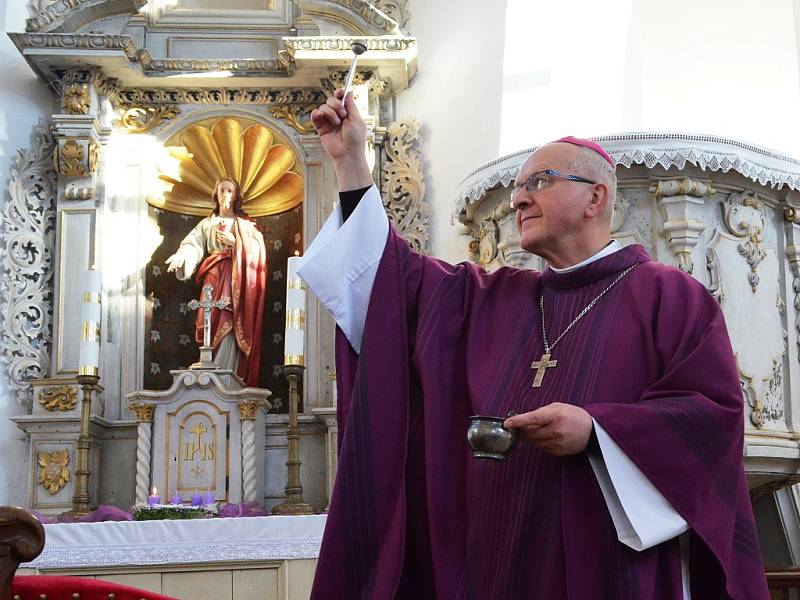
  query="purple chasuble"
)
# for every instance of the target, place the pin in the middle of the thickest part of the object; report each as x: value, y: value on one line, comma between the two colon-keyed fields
x: 413, y: 515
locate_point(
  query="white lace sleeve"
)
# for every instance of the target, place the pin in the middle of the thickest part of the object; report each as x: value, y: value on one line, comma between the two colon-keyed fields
x: 341, y: 263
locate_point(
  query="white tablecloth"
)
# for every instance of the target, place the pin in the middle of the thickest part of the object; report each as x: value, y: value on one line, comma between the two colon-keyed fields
x: 130, y: 543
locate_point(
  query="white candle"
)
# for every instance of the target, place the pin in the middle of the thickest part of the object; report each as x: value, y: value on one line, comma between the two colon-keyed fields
x: 295, y: 314
x: 89, y: 361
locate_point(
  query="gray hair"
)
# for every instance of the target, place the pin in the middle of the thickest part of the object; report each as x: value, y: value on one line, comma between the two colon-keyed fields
x: 587, y: 163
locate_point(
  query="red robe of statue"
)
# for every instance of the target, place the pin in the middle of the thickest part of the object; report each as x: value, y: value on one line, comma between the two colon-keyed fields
x: 238, y: 273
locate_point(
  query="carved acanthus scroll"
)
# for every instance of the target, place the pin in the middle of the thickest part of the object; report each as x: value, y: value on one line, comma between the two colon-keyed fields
x: 745, y: 218
x: 402, y: 183
x: 141, y: 119
x: 27, y: 258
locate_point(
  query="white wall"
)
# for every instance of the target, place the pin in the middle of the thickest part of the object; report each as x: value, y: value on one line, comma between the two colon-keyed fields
x: 23, y: 101
x: 456, y: 95
x: 496, y: 77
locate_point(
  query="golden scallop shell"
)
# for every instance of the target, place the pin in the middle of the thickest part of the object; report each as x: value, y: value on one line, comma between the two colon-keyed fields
x: 245, y: 150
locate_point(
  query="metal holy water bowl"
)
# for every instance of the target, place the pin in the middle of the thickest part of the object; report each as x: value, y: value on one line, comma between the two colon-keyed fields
x: 489, y: 439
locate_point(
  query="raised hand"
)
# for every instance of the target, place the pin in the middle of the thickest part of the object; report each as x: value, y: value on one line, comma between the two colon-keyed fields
x: 343, y: 135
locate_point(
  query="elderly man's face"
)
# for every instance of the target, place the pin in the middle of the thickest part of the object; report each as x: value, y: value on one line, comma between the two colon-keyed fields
x: 547, y: 218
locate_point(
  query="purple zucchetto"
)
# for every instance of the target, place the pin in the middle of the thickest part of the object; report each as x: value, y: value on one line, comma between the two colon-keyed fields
x: 593, y: 146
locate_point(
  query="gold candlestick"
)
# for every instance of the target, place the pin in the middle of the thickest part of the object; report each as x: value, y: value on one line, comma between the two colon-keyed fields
x: 81, y: 500
x: 293, y: 504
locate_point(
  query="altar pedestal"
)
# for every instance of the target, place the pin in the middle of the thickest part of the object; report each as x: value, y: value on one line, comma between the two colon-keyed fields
x: 205, y: 434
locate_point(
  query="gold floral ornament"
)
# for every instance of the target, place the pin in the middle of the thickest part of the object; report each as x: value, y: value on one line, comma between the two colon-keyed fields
x: 266, y: 168
x: 53, y: 471
x: 62, y: 398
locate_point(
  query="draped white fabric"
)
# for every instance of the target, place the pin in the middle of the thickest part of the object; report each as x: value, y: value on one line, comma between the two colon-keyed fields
x: 123, y: 543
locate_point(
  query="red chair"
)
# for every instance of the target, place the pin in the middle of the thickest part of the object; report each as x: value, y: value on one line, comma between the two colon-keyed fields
x: 22, y: 540
x: 55, y: 587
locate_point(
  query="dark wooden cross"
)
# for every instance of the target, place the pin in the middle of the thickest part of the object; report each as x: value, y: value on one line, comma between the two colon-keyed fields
x: 541, y: 366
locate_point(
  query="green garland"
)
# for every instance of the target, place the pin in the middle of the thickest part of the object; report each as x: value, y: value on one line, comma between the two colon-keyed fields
x: 164, y: 511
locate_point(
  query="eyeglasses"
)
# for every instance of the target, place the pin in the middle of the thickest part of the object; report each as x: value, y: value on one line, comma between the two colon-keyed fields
x: 544, y: 179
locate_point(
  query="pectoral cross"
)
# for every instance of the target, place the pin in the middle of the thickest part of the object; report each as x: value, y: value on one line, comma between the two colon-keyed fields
x: 541, y: 366
x: 207, y: 304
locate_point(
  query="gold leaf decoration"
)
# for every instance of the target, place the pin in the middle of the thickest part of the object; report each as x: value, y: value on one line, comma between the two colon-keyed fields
x: 61, y: 398
x: 141, y: 119
x: 75, y: 100
x: 68, y: 158
x: 53, y: 471
x: 257, y: 157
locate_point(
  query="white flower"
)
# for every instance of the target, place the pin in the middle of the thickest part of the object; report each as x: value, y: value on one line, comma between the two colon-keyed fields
x: 184, y: 339
x: 277, y: 244
x: 156, y: 271
x: 155, y: 368
x: 156, y: 302
x: 183, y: 307
x: 277, y: 338
x: 277, y: 306
x: 155, y: 336
x: 277, y: 275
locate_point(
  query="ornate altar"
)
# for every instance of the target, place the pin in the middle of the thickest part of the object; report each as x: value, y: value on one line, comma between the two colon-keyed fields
x: 152, y: 103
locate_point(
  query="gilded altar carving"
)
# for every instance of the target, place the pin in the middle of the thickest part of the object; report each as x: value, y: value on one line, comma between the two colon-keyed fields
x: 250, y: 152
x: 403, y: 185
x: 248, y: 409
x: 744, y: 217
x: 259, y: 96
x: 53, y: 471
x: 295, y: 106
x: 76, y: 100
x: 141, y: 119
x: 62, y: 398
x: 28, y: 246
x: 75, y: 157
x: 143, y: 411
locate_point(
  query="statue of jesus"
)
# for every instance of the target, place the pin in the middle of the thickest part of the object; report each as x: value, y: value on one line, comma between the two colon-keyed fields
x: 235, y: 265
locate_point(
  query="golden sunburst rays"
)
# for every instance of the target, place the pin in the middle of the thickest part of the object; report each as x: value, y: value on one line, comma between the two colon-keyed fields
x: 249, y: 154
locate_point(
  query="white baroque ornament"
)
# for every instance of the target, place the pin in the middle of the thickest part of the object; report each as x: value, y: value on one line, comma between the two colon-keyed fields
x: 26, y: 291
x: 402, y: 183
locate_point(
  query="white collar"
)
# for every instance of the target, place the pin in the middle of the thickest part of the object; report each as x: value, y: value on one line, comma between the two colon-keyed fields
x: 610, y: 248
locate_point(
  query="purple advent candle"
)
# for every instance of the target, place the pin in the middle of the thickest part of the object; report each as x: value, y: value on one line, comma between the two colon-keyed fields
x: 197, y: 499
x: 154, y: 498
x: 176, y: 499
x: 209, y: 498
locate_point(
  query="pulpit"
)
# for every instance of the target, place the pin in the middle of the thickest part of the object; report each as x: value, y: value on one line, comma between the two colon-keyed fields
x: 205, y: 434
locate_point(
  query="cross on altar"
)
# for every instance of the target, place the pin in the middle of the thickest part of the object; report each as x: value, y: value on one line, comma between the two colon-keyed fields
x: 207, y: 304
x: 541, y: 366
